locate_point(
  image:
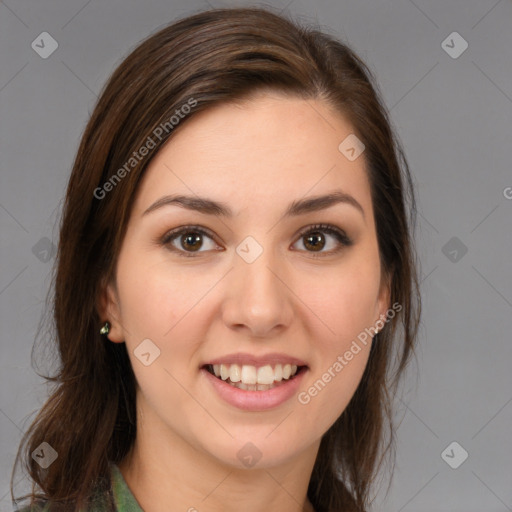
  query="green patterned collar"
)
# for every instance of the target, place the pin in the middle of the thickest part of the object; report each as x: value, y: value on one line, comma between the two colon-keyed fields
x: 124, y: 499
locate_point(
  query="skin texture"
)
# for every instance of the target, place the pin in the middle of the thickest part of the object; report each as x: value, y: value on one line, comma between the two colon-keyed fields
x: 256, y: 158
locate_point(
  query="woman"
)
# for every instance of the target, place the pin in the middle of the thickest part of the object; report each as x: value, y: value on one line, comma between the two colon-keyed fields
x: 236, y: 293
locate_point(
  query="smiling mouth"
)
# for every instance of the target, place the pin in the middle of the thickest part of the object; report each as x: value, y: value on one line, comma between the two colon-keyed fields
x: 252, y: 378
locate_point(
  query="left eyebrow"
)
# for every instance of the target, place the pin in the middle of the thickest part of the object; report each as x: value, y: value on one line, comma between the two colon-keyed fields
x: 220, y: 209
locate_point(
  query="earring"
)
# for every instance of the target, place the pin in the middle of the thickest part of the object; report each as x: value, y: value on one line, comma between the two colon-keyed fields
x: 105, y: 329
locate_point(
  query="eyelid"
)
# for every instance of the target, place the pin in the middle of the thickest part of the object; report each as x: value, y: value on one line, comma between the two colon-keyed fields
x: 343, y: 239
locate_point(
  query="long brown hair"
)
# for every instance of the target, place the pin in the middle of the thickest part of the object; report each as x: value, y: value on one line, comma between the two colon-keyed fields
x: 208, y: 58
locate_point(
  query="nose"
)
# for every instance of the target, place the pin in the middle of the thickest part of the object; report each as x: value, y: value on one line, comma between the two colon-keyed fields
x: 258, y: 297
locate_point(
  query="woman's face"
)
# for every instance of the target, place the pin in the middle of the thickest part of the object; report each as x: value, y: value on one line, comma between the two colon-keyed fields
x: 261, y: 290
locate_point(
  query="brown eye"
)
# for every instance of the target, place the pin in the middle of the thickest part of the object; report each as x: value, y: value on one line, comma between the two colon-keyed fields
x: 190, y: 241
x: 315, y: 240
x: 187, y: 240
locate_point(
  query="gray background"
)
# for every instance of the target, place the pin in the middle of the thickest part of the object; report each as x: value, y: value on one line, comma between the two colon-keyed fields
x: 454, y: 116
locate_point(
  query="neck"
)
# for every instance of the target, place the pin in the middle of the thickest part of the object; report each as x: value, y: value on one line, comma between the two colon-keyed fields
x: 165, y: 472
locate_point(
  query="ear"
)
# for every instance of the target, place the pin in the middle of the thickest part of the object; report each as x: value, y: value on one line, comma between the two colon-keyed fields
x: 109, y: 311
x: 383, y: 301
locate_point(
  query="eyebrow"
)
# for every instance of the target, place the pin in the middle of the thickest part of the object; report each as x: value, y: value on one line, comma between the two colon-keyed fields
x: 220, y: 209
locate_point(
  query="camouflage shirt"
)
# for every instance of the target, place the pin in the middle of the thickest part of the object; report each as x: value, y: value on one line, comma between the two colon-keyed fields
x: 123, y: 497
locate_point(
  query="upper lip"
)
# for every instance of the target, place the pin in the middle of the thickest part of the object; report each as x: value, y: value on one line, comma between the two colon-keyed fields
x: 241, y: 358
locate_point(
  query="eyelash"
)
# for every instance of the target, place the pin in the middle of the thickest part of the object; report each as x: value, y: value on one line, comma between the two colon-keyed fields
x: 340, y: 236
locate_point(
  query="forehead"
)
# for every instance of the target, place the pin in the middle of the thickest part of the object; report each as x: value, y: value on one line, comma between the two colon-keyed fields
x: 267, y: 150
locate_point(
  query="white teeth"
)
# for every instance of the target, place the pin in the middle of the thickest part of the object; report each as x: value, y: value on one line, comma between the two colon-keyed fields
x: 265, y: 375
x: 224, y: 372
x: 235, y: 373
x: 253, y: 377
x: 249, y: 374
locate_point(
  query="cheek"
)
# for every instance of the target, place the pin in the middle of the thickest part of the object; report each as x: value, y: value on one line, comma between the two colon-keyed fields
x: 157, y: 298
x: 334, y: 388
x: 333, y: 381
x: 346, y: 306
x: 340, y: 358
x: 158, y: 305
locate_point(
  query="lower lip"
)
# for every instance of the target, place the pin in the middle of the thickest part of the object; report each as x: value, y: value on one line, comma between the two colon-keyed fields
x: 255, y: 400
